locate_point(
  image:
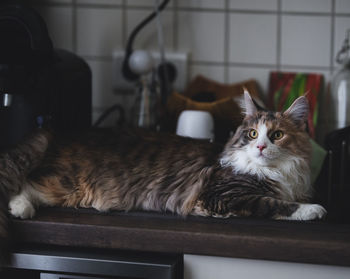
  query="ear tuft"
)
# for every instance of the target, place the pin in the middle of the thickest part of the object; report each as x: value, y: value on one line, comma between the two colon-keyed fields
x: 247, y: 104
x: 299, y: 110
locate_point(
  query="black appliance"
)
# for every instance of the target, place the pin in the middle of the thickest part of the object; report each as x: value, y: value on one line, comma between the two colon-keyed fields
x: 332, y: 185
x: 39, y: 85
x: 54, y: 262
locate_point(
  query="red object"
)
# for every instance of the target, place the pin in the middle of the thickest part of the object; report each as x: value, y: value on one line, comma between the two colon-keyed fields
x: 284, y: 88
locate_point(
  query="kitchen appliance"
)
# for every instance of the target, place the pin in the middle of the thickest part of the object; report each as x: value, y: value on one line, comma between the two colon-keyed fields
x: 39, y: 85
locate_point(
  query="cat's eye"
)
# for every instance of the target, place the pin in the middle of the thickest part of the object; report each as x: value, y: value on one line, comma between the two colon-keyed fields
x: 253, y: 134
x: 277, y: 135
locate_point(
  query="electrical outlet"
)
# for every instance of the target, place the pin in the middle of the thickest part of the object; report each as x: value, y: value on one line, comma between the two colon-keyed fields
x: 179, y: 59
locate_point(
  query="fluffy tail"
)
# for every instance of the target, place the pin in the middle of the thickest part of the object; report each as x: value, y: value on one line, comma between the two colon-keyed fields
x: 15, y: 164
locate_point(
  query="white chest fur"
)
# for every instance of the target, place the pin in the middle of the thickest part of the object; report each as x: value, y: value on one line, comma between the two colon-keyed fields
x: 291, y: 173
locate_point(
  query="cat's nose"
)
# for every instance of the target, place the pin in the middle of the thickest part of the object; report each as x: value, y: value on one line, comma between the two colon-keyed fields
x: 261, y: 147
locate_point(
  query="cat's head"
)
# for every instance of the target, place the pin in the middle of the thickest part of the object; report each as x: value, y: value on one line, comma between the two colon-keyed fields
x: 268, y: 138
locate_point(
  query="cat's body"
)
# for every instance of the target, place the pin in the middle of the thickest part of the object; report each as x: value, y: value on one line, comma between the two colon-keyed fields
x: 123, y: 170
x: 262, y: 171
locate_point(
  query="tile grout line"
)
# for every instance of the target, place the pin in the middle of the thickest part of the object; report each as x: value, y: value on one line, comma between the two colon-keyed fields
x: 241, y: 11
x: 331, y: 64
x: 175, y: 26
x: 124, y: 24
x: 226, y: 42
x: 74, y: 27
x: 189, y: 9
x: 228, y: 64
x: 279, y: 36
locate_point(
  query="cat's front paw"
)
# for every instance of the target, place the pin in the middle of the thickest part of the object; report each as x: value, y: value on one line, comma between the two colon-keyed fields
x: 308, y: 212
x: 20, y: 206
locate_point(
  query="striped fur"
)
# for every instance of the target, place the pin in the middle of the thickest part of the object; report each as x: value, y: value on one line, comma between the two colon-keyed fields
x: 15, y: 165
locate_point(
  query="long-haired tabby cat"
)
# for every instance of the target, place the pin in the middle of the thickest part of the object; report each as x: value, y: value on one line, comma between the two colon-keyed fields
x: 263, y: 171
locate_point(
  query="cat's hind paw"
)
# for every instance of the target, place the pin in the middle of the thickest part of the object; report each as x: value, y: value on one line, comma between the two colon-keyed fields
x: 20, y: 206
x: 308, y: 212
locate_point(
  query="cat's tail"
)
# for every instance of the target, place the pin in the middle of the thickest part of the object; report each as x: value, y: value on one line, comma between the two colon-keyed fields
x: 15, y: 164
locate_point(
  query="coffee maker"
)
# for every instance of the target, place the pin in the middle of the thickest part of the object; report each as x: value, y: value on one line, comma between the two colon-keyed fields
x: 39, y: 85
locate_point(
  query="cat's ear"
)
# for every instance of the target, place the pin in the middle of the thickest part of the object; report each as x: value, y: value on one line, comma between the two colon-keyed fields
x: 298, y: 111
x: 247, y: 104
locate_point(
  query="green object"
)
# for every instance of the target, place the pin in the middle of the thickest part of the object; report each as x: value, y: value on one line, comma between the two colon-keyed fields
x: 317, y: 159
x: 297, y: 89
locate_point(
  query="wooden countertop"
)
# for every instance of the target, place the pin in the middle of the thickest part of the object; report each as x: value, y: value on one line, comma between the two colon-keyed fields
x: 306, y: 242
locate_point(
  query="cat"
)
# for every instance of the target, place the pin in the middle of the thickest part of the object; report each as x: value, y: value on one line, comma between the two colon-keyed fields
x: 262, y: 171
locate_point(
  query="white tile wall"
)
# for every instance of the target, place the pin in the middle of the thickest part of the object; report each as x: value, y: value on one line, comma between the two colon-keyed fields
x: 99, y: 31
x: 217, y: 4
x: 306, y: 40
x: 103, y: 95
x: 148, y: 39
x: 342, y: 6
x: 253, y: 38
x: 215, y: 72
x: 202, y: 34
x: 101, y: 83
x: 261, y: 5
x: 228, y: 40
x: 261, y: 75
x: 310, y: 6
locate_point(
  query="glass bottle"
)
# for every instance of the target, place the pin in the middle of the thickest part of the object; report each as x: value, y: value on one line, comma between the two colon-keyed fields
x: 340, y: 89
x: 144, y: 108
